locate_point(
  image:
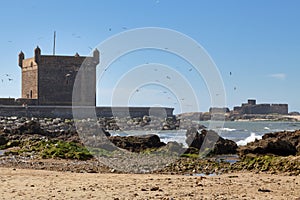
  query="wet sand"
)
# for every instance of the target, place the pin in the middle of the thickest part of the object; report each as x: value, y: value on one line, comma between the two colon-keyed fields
x: 43, y: 184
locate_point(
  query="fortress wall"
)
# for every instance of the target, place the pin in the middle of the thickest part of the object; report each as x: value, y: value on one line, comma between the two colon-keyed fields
x: 279, y: 108
x: 7, y: 101
x: 261, y: 109
x: 57, y: 75
x: 29, y: 79
x: 67, y: 112
x: 218, y: 110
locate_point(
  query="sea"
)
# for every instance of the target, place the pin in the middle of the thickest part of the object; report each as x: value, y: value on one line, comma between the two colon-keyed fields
x: 242, y: 132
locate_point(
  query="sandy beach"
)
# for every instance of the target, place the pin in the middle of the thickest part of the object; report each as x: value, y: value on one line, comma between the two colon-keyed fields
x: 43, y: 184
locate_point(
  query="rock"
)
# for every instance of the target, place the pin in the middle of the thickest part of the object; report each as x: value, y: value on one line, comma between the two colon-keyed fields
x: 280, y: 143
x: 146, y: 119
x: 263, y: 190
x: 193, y: 138
x: 137, y: 143
x: 106, y: 133
x: 155, y: 188
x: 13, y: 143
x: 30, y: 127
x: 225, y: 146
x: 3, y: 140
x: 213, y: 142
x: 174, y: 147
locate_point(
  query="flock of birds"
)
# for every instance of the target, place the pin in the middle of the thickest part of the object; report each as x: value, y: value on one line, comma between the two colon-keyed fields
x: 6, y: 77
x: 182, y: 99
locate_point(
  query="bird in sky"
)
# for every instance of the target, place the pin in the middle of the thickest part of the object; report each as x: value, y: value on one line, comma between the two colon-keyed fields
x: 234, y: 88
x: 230, y: 73
x: 168, y: 77
x: 10, y: 79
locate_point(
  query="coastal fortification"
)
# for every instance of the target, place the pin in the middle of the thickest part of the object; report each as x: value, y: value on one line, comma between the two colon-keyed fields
x: 252, y: 108
x: 49, y: 79
x: 47, y: 89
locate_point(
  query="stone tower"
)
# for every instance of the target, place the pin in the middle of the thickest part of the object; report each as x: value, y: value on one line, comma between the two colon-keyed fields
x: 49, y: 79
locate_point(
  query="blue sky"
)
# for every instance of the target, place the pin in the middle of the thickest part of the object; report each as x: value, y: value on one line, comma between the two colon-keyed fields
x: 257, y: 41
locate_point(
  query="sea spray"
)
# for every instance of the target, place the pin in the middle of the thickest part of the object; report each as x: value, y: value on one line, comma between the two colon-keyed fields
x: 251, y: 138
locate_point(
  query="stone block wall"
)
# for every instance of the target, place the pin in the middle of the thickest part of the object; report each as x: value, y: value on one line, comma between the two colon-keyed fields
x: 280, y: 109
x: 56, y: 79
x: 50, y: 79
x: 67, y: 111
x: 29, y: 79
x: 7, y: 101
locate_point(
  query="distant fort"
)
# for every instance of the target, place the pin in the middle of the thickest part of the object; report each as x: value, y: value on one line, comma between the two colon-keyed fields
x: 47, y: 88
x: 252, y: 108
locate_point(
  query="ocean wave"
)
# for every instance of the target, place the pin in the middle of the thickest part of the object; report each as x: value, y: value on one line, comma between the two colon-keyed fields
x: 227, y: 129
x: 266, y: 128
x: 251, y: 138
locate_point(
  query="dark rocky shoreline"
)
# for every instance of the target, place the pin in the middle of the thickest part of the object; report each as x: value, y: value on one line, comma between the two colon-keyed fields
x: 32, y: 143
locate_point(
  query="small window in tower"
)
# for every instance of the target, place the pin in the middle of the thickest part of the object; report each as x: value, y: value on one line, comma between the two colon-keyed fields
x: 30, y: 94
x: 31, y: 64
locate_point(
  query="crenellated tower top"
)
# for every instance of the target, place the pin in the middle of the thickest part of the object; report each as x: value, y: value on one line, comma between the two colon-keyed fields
x: 21, y: 58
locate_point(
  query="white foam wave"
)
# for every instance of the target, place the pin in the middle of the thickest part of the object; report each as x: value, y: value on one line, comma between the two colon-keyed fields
x: 251, y: 138
x: 227, y: 129
x: 266, y: 128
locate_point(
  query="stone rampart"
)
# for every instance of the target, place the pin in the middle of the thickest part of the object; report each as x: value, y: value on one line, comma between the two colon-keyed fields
x: 85, y: 112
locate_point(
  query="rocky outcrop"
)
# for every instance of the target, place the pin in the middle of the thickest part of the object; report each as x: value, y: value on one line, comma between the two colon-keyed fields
x: 30, y: 127
x: 210, y: 141
x: 3, y: 140
x: 280, y: 143
x: 137, y: 143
